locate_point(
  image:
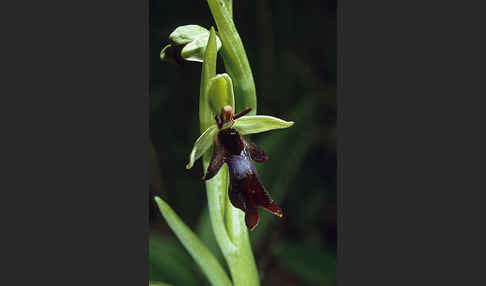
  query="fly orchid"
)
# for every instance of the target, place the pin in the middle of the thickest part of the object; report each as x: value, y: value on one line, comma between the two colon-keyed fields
x: 245, y: 189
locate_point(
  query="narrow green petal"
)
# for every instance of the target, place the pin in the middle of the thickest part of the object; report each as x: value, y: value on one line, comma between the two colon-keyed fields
x: 220, y: 92
x: 202, y: 145
x: 199, y: 252
x: 259, y: 123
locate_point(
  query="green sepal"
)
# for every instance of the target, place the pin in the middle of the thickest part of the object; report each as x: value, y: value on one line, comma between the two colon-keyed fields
x: 259, y: 123
x: 208, y: 71
x: 203, y: 143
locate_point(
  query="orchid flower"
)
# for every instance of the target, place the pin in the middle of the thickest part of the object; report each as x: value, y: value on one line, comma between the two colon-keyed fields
x: 229, y: 146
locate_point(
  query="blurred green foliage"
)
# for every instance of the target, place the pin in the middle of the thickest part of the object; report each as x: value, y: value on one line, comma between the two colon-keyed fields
x: 291, y: 46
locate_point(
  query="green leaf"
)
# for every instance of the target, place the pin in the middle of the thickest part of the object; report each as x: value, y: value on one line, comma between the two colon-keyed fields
x: 202, y: 145
x: 205, y: 232
x: 206, y: 117
x: 259, y: 123
x: 170, y: 262
x: 199, y: 252
x: 220, y: 92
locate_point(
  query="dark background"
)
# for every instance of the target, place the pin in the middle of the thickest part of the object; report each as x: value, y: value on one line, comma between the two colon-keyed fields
x: 291, y: 47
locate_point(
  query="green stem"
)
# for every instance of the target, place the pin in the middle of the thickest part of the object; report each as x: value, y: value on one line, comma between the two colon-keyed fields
x: 229, y: 5
x: 232, y: 237
x: 227, y: 222
x: 234, y: 56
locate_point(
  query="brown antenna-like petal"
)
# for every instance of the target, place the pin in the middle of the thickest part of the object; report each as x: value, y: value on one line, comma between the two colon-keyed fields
x: 242, y: 113
x: 256, y: 152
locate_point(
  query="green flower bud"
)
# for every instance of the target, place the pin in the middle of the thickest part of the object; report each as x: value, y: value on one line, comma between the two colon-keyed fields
x: 220, y: 92
x: 193, y: 40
